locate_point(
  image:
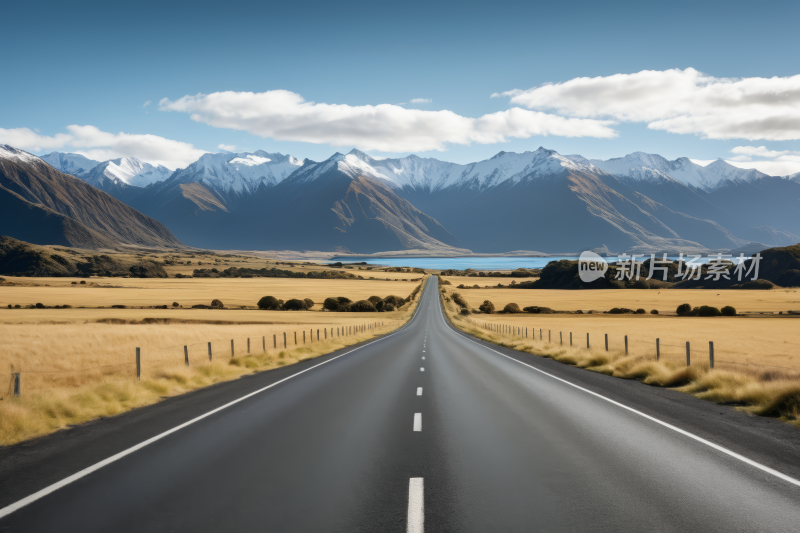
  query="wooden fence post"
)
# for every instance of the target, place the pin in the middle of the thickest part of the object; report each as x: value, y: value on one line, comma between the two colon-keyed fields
x: 561, y: 338
x: 658, y: 349
x: 186, y: 354
x: 711, y: 353
x: 264, y: 343
x: 626, y: 345
x: 295, y: 338
x: 570, y: 338
x: 18, y: 380
x: 606, y: 341
x: 587, y: 341
x: 284, y: 340
x: 304, y: 336
x: 549, y: 335
x: 688, y: 354
x: 138, y: 364
x: 275, y: 341
x: 248, y: 344
x: 209, y: 351
x: 232, y: 351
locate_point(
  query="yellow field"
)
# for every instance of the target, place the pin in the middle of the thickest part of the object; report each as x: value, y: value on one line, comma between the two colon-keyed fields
x: 665, y: 301
x: 74, y: 369
x: 234, y: 292
x: 744, y: 350
x: 738, y: 340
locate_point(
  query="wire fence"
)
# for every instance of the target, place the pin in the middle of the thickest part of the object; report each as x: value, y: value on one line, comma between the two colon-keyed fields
x: 145, y: 362
x: 688, y: 353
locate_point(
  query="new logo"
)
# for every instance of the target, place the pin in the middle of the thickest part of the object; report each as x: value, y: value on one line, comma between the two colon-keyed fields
x: 591, y: 267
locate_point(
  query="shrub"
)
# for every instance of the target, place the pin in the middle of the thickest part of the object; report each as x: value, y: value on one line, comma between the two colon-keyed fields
x: 538, y: 310
x: 294, y: 305
x: 487, y: 307
x: 120, y: 306
x: 707, y: 310
x: 175, y: 304
x: 464, y: 311
x: 268, y: 303
x: 309, y: 303
x: 83, y: 282
x: 10, y: 306
x: 476, y: 286
x: 460, y: 301
x: 331, y: 304
x: 654, y: 312
x: 728, y: 311
x: 444, y: 282
x: 388, y: 307
x: 620, y: 311
x: 343, y: 300
x: 758, y: 285
x: 39, y: 306
x: 640, y: 311
x: 362, y: 306
x: 684, y: 309
x: 74, y: 282
x: 375, y: 299
x: 394, y: 300
x: 461, y: 286
x: 216, y: 304
x: 512, y: 308
x: 17, y: 306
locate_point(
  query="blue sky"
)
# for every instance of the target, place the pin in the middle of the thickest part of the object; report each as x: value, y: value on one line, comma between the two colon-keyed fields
x: 96, y: 64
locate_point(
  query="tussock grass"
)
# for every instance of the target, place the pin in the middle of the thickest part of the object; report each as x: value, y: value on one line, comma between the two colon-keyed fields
x: 77, y: 391
x: 772, y: 393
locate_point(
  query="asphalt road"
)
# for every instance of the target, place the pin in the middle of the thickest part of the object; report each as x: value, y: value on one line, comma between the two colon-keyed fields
x: 426, y: 428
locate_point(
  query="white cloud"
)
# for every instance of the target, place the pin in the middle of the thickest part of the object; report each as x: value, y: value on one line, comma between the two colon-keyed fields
x: 758, y: 151
x: 147, y: 103
x: 678, y: 101
x: 421, y: 100
x: 226, y: 147
x: 782, y: 163
x: 100, y: 145
x: 286, y: 116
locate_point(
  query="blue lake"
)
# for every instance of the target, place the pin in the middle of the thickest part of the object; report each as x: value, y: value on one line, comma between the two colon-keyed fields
x: 480, y: 263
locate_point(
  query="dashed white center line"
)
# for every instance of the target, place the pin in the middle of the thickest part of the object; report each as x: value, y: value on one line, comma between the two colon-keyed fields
x: 423, y: 357
x: 417, y: 421
x: 419, y: 391
x: 422, y: 369
x: 416, y: 506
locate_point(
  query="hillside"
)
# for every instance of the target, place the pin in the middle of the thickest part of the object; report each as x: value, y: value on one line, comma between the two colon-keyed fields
x: 45, y: 206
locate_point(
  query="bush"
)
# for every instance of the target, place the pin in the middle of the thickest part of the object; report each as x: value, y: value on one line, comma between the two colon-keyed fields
x: 684, y: 310
x: 309, y: 303
x: 620, y: 311
x: 10, y: 306
x: 487, y: 307
x: 707, y: 310
x: 640, y: 311
x: 17, y: 306
x: 331, y: 304
x: 654, y: 312
x: 388, y: 307
x: 728, y: 311
x: 444, y: 282
x: 344, y: 301
x: 464, y: 311
x: 375, y: 299
x: 216, y: 304
x: 74, y: 282
x: 83, y: 282
x: 512, y: 308
x: 118, y: 306
x: 39, y: 306
x: 295, y: 305
x: 268, y: 303
x: 758, y: 285
x: 362, y: 306
x: 175, y: 304
x: 460, y: 301
x: 538, y: 310
x: 396, y: 301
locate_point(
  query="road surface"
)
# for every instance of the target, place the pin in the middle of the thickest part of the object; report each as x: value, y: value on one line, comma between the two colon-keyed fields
x: 427, y: 428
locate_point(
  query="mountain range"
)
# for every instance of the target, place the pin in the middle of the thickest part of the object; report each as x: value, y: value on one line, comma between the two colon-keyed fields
x: 537, y: 200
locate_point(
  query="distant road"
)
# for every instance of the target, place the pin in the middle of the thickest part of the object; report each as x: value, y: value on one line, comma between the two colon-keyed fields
x: 425, y: 429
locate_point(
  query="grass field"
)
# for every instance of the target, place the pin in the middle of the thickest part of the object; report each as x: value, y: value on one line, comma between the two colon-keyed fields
x: 755, y: 388
x: 665, y: 301
x: 74, y: 368
x: 234, y: 292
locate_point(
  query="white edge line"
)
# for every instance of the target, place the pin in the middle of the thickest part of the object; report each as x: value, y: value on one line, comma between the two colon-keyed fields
x: 7, y: 510
x: 697, y: 438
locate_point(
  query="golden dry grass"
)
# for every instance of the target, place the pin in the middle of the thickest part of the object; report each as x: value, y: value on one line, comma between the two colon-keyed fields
x: 665, y: 301
x: 233, y: 292
x: 759, y: 390
x: 75, y: 372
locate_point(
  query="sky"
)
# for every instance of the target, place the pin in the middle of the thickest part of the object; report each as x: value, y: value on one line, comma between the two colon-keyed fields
x: 458, y: 81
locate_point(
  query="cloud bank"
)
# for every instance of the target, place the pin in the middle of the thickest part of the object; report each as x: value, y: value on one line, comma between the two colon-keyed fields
x: 678, y: 101
x: 100, y: 145
x: 286, y: 116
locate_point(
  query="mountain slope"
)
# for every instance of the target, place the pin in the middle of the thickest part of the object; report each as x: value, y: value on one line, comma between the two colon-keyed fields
x: 74, y: 164
x: 38, y: 198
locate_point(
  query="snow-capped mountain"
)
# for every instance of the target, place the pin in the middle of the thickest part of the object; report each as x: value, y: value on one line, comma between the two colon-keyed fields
x: 650, y: 166
x: 127, y: 170
x: 75, y: 164
x: 432, y: 175
x: 239, y: 173
x: 14, y: 154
